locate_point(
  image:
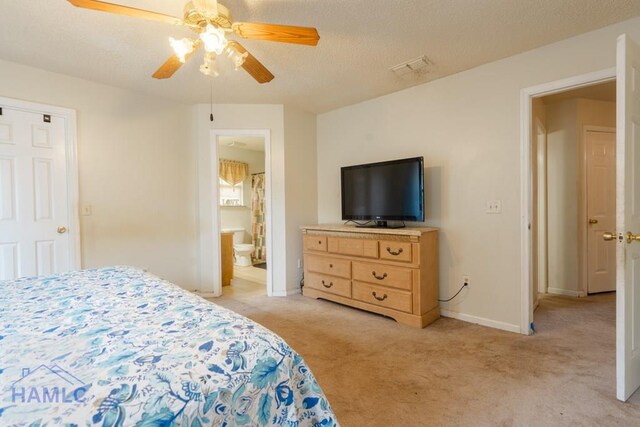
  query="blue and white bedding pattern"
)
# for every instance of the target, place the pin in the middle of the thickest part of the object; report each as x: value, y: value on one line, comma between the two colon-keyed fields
x: 120, y: 347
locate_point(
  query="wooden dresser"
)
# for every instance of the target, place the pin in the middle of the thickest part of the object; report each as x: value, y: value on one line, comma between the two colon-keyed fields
x: 393, y: 272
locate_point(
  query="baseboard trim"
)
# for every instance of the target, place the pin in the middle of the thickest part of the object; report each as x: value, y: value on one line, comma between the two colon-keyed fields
x: 481, y: 321
x: 565, y: 292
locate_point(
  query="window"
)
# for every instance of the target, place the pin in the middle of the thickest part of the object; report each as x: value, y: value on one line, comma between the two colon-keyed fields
x: 231, y: 195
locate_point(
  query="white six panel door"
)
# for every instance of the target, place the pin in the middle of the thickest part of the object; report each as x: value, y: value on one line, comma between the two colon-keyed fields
x: 628, y: 218
x: 33, y: 195
x: 601, y: 210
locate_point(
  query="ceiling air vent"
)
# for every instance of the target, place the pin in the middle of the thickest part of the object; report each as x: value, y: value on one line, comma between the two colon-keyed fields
x: 413, y: 68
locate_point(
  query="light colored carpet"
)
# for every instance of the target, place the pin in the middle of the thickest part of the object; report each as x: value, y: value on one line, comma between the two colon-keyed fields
x: 376, y: 372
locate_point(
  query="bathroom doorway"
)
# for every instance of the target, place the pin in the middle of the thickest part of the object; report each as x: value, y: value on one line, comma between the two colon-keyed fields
x: 213, y: 236
x: 242, y: 188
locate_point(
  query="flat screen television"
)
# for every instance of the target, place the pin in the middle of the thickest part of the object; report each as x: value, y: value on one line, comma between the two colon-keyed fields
x: 385, y: 191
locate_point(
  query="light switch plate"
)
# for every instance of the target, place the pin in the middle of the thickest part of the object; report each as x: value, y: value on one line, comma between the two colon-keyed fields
x: 86, y: 210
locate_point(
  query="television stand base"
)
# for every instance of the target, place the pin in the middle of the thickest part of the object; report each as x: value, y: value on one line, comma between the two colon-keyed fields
x: 381, y: 224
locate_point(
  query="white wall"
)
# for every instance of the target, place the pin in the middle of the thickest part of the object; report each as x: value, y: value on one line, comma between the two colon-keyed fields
x: 144, y: 167
x: 262, y: 117
x: 136, y: 167
x: 240, y: 216
x: 301, y: 186
x: 595, y: 113
x: 292, y: 131
x: 240, y: 117
x: 562, y: 195
x: 467, y: 127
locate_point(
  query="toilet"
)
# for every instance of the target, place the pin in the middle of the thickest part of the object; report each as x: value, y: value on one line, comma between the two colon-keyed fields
x: 242, y: 251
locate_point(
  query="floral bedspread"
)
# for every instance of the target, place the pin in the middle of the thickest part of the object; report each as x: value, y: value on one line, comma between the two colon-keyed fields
x: 120, y: 347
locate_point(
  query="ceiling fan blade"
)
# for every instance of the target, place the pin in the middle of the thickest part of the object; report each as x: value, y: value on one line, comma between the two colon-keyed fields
x: 277, y: 33
x: 167, y: 69
x: 173, y: 64
x: 252, y: 65
x: 103, y: 6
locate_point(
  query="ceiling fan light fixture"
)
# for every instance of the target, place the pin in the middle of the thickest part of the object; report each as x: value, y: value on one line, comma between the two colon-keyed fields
x: 182, y: 47
x: 209, y: 68
x: 211, y: 21
x: 236, y: 57
x: 208, y: 8
x: 213, y: 39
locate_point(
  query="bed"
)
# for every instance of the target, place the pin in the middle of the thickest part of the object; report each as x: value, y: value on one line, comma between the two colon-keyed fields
x: 120, y: 347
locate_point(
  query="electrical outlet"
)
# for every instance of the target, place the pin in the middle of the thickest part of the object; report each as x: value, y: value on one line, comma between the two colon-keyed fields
x: 465, y: 279
x: 494, y: 206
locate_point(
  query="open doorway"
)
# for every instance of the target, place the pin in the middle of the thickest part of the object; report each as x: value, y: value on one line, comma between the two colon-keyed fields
x: 241, y: 192
x: 535, y: 223
x: 574, y: 184
x: 626, y: 235
x: 241, y: 189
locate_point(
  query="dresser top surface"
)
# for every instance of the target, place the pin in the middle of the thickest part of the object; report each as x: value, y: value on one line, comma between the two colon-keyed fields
x: 341, y: 228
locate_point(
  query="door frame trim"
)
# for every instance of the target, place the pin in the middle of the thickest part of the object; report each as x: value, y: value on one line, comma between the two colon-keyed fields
x: 215, y: 203
x: 545, y: 251
x: 71, y: 159
x: 583, y: 231
x: 526, y: 187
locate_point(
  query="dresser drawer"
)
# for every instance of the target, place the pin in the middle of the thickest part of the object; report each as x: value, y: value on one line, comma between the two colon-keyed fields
x: 395, y: 251
x: 395, y: 277
x: 330, y: 266
x: 383, y: 297
x: 332, y: 285
x: 315, y: 243
x: 354, y: 247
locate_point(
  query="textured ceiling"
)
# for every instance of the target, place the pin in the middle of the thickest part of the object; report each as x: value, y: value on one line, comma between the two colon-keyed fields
x: 253, y: 143
x: 600, y: 92
x: 360, y: 40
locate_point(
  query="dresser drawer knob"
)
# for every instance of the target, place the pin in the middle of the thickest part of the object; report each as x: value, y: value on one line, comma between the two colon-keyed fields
x: 319, y: 242
x: 330, y: 265
x: 327, y: 286
x: 394, y: 253
x: 382, y: 298
x: 384, y: 275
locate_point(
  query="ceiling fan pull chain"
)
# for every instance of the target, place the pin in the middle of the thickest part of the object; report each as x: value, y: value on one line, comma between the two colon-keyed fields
x: 211, y: 114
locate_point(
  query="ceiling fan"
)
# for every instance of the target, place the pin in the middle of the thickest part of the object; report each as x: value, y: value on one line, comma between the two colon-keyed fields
x: 212, y: 21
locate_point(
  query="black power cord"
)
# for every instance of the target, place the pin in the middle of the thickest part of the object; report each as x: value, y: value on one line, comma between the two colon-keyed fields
x: 447, y: 300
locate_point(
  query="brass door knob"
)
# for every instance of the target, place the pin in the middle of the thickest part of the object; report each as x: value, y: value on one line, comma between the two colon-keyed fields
x: 62, y: 229
x: 593, y: 221
x: 631, y: 237
x: 609, y: 236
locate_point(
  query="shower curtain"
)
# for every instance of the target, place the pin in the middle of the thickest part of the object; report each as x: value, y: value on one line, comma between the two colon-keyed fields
x: 258, y: 226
